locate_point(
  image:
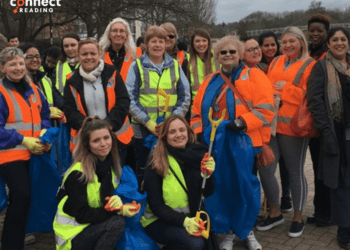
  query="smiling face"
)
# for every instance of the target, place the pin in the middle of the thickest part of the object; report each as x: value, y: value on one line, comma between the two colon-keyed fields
x: 13, y: 42
x: 228, y: 60
x: 70, y: 46
x: 89, y: 57
x: 32, y: 60
x: 317, y: 33
x: 100, y: 143
x: 117, y: 35
x: 177, y: 136
x: 269, y: 47
x: 170, y: 41
x: 14, y: 69
x: 338, y: 45
x: 291, y: 46
x: 200, y: 45
x: 252, y: 52
x: 156, y: 48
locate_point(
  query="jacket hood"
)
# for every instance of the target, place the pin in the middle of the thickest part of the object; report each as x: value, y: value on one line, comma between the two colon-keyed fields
x: 147, y: 64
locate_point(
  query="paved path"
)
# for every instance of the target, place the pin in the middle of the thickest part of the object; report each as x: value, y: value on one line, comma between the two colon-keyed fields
x: 313, y: 238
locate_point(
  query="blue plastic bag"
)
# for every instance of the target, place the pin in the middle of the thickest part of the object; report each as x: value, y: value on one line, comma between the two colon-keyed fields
x: 235, y: 203
x: 64, y: 159
x: 3, y: 195
x: 134, y: 236
x: 151, y: 140
x: 44, y: 181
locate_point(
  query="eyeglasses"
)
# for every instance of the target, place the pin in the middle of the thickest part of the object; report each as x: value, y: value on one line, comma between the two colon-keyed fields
x: 224, y: 52
x: 31, y: 57
x: 116, y: 31
x: 252, y: 50
x: 171, y: 36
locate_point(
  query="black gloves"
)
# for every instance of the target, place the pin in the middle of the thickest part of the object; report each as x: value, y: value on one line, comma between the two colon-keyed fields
x: 236, y: 125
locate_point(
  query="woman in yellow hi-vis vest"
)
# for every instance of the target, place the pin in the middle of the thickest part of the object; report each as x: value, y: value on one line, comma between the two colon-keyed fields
x: 173, y: 183
x: 154, y: 71
x: 83, y: 221
x: 199, y: 63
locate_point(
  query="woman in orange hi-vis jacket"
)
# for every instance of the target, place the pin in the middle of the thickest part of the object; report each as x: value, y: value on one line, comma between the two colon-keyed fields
x: 216, y: 93
x: 288, y: 74
x: 96, y: 88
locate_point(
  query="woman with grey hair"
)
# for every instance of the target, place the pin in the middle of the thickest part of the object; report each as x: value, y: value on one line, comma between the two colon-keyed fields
x: 234, y: 88
x: 24, y: 117
x: 170, y: 45
x: 288, y: 74
x: 118, y: 46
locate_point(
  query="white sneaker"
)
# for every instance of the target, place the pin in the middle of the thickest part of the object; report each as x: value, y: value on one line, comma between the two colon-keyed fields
x: 252, y: 243
x: 29, y: 239
x: 228, y: 240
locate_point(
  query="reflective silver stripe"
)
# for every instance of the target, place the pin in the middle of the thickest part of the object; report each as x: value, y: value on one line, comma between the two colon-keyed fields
x: 124, y: 128
x: 260, y: 116
x: 74, y: 140
x: 173, y: 77
x: 66, y: 221
x: 185, y: 210
x: 267, y: 125
x: 249, y: 103
x: 74, y: 92
x: 155, y: 109
x: 37, y: 127
x: 196, y: 125
x: 18, y: 147
x: 59, y: 240
x: 18, y: 113
x: 284, y: 119
x: 155, y: 91
x: 301, y: 72
x: 60, y: 79
x: 193, y: 115
x: 267, y: 106
x: 274, y: 62
x: 18, y: 126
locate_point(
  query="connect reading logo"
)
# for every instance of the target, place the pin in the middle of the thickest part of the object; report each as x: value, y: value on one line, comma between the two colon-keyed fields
x: 34, y: 6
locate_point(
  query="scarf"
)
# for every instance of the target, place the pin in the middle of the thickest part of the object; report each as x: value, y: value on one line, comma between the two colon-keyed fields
x: 190, y: 156
x: 93, y: 75
x: 72, y: 61
x: 334, y: 87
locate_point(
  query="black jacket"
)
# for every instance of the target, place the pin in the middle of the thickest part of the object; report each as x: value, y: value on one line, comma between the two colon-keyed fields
x: 115, y: 116
x: 329, y: 167
x: 192, y: 175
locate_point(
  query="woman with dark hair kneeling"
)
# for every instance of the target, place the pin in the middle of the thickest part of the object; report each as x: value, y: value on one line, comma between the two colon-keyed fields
x: 81, y: 221
x: 173, y: 183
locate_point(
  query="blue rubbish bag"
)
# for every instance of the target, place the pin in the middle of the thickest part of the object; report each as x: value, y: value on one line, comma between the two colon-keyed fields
x: 65, y: 156
x: 151, y: 140
x: 44, y: 181
x: 134, y: 236
x: 3, y: 195
x: 235, y: 202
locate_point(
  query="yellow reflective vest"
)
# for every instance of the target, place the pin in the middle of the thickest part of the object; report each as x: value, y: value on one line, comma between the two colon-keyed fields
x: 151, y: 81
x: 62, y: 70
x: 174, y: 195
x: 64, y: 225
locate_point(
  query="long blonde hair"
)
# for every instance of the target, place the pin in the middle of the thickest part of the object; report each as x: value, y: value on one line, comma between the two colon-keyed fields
x: 159, y: 156
x: 82, y: 152
x: 129, y: 43
x: 297, y: 33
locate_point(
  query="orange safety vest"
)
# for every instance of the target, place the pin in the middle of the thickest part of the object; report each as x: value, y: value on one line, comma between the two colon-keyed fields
x: 124, y: 134
x: 138, y: 52
x: 125, y: 67
x: 24, y: 118
x: 180, y: 57
x: 256, y: 90
x: 296, y: 77
x: 320, y: 57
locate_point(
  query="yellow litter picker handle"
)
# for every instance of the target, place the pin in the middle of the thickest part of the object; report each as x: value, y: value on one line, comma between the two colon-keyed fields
x: 214, y: 126
x: 205, y: 233
x: 161, y: 92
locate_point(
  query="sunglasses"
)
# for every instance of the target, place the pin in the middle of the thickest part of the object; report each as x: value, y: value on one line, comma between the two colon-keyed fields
x: 171, y: 36
x: 224, y: 52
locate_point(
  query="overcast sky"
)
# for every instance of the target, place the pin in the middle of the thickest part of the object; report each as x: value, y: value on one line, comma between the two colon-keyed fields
x: 234, y: 10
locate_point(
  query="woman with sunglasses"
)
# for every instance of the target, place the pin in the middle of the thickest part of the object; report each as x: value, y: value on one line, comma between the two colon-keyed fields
x: 24, y: 116
x: 154, y: 71
x: 288, y: 74
x: 82, y: 220
x: 96, y: 88
x: 255, y: 89
x: 199, y: 62
x: 171, y: 47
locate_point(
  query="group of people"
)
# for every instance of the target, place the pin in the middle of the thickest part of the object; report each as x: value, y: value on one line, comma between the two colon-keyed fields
x: 154, y: 105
